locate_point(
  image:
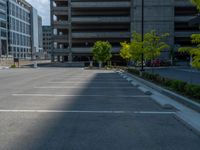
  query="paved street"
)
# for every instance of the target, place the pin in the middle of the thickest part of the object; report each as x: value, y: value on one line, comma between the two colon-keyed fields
x: 76, y: 109
x: 179, y: 73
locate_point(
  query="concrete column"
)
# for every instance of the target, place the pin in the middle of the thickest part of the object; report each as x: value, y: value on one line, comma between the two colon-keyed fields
x: 52, y: 58
x: 52, y: 27
x: 69, y: 32
x: 58, y: 58
x: 70, y: 57
x: 132, y: 17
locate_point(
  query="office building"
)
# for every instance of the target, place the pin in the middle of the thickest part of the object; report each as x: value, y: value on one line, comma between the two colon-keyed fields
x: 19, y: 27
x: 36, y: 34
x: 20, y: 30
x: 76, y: 24
x: 3, y: 29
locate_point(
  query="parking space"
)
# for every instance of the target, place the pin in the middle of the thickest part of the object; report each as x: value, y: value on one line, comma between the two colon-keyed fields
x: 56, y: 108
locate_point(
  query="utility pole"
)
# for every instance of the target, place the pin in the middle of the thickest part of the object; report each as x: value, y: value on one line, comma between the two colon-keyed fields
x: 142, y: 28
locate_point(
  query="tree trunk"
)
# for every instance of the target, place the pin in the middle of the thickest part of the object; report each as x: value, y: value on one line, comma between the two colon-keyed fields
x: 191, y: 59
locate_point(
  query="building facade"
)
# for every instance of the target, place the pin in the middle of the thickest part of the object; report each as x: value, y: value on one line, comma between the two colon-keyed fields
x: 3, y: 29
x: 40, y: 38
x: 19, y: 29
x: 77, y: 24
x: 47, y: 41
x: 36, y: 34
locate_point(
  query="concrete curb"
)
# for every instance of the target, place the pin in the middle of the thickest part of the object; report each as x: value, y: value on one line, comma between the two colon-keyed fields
x: 186, y: 115
x: 177, y: 97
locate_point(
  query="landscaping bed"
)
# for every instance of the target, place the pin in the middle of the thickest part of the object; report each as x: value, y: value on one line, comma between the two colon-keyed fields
x: 189, y: 90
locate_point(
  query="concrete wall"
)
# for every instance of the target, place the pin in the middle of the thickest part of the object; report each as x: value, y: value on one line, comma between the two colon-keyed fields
x: 158, y: 15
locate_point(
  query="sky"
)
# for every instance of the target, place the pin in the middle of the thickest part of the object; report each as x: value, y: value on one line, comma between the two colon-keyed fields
x: 43, y: 7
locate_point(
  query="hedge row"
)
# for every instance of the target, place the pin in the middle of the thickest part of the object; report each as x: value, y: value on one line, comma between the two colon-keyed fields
x: 185, y: 88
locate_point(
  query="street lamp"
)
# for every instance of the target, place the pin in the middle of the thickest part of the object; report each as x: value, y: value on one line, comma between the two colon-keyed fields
x: 142, y: 28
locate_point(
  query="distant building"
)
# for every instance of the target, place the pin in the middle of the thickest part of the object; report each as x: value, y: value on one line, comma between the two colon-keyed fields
x: 47, y: 41
x: 40, y: 38
x: 3, y: 29
x: 76, y: 25
x: 36, y: 34
x: 20, y: 30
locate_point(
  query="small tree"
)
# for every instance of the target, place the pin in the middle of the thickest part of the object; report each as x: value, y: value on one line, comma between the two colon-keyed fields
x: 154, y: 44
x: 125, y: 51
x: 102, y: 52
x: 136, y: 47
x: 193, y: 51
x: 151, y: 46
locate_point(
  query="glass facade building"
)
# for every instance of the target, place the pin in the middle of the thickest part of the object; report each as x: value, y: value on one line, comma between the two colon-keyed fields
x: 19, y: 29
x: 3, y: 28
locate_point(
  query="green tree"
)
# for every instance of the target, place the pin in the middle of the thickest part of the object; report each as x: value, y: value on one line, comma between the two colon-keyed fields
x: 193, y: 51
x: 125, y: 51
x: 102, y: 52
x: 151, y: 46
x: 154, y: 44
x: 197, y: 3
x: 136, y: 47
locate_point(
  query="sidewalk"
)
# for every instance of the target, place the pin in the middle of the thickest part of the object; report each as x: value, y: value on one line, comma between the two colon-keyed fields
x: 4, y: 67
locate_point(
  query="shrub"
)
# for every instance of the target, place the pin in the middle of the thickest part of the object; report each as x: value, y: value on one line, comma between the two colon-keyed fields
x: 176, y: 85
x: 13, y: 66
x: 134, y: 71
x: 193, y: 90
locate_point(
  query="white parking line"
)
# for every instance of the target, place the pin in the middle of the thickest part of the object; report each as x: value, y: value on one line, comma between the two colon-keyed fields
x: 69, y: 82
x: 55, y: 95
x: 89, y: 80
x: 77, y: 87
x: 80, y: 111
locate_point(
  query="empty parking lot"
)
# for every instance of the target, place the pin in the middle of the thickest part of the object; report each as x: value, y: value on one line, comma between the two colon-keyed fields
x: 76, y: 109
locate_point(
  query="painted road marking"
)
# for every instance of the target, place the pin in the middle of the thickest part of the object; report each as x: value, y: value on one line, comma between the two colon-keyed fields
x: 125, y: 82
x: 55, y: 95
x: 76, y: 87
x: 91, y: 80
x: 94, y: 112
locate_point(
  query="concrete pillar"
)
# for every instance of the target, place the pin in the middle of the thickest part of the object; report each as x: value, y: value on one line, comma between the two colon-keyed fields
x: 70, y: 32
x: 58, y: 58
x: 132, y: 17
x: 70, y: 57
x: 52, y: 58
x: 52, y: 27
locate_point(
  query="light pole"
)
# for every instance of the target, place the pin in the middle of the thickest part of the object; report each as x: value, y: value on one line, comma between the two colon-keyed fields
x: 142, y: 29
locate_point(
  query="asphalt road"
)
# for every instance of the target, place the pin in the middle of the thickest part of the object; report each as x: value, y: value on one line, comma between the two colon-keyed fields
x: 76, y: 109
x: 179, y: 73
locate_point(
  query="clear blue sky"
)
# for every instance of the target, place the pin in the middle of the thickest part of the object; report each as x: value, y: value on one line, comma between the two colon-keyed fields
x: 43, y: 7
